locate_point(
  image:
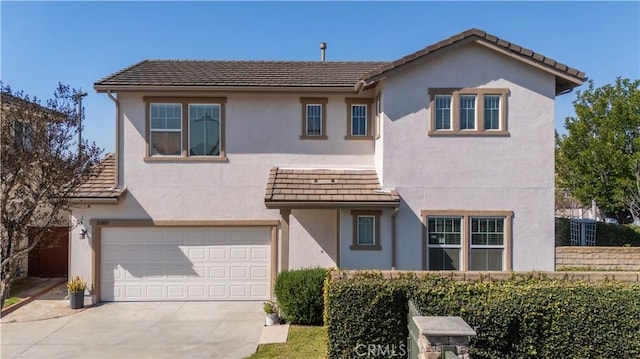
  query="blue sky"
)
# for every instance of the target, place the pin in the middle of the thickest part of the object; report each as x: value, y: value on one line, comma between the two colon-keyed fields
x: 78, y: 43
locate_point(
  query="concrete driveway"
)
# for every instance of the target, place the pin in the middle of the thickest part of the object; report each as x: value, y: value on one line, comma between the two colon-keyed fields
x: 141, y: 330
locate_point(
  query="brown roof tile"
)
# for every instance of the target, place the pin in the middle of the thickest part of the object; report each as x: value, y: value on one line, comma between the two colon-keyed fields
x: 326, y: 186
x: 102, y: 186
x: 561, y: 84
x: 239, y: 73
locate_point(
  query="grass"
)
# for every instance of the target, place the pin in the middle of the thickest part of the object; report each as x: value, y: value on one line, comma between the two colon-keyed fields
x: 303, y: 342
x: 11, y: 300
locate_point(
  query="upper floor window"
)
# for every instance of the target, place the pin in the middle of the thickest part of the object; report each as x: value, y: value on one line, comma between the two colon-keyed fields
x: 358, y: 119
x: 477, y: 111
x: 442, y: 112
x: 183, y: 128
x: 23, y: 133
x: 314, y: 118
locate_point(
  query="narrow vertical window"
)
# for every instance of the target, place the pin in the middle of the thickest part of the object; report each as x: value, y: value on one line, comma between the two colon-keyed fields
x: 366, y: 231
x: 314, y: 120
x: 359, y: 120
x: 467, y: 112
x: 443, y: 112
x: 492, y: 112
x: 165, y: 129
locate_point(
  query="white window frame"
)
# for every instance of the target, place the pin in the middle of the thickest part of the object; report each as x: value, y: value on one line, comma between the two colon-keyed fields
x: 475, y: 111
x: 487, y: 246
x: 321, y: 107
x: 366, y: 119
x: 189, y: 127
x: 444, y: 245
x: 373, y: 230
x: 152, y: 130
x: 436, y: 109
x: 466, y: 228
x: 499, y: 112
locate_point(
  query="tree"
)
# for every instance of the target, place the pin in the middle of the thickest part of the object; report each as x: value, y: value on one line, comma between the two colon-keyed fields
x: 42, y: 167
x: 599, y: 156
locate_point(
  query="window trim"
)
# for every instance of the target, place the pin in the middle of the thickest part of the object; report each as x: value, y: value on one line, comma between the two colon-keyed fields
x: 444, y: 246
x: 376, y: 214
x: 455, y: 94
x: 184, y: 102
x: 466, y: 217
x: 378, y: 116
x: 361, y: 102
x: 322, y: 101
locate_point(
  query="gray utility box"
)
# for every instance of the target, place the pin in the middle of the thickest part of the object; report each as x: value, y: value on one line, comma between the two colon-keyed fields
x: 438, y: 337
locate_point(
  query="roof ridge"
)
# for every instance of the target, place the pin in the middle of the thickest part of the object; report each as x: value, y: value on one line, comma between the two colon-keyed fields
x: 513, y: 48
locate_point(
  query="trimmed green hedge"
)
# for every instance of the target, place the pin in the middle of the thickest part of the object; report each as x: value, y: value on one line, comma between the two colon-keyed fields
x: 523, y: 317
x: 610, y: 235
x: 299, y: 295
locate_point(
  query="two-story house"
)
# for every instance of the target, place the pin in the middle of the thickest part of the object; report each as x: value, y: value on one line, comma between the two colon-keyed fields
x: 227, y: 172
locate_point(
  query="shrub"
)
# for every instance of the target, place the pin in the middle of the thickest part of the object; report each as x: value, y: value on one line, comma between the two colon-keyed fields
x: 299, y: 294
x: 523, y: 317
x: 365, y: 310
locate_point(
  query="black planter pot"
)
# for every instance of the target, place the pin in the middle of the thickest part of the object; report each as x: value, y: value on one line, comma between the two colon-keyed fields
x: 77, y: 300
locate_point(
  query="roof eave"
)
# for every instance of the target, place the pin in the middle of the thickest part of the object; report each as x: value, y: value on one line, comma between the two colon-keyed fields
x: 321, y: 88
x: 329, y: 204
x: 99, y: 200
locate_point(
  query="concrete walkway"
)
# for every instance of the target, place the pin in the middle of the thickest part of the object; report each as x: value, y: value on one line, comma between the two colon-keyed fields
x: 140, y: 330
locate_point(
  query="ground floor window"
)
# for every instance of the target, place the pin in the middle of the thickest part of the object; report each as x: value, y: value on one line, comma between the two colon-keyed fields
x: 467, y: 240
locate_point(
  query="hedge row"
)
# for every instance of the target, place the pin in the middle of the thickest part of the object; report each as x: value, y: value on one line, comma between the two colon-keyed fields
x: 523, y: 317
x: 611, y: 235
x: 299, y: 294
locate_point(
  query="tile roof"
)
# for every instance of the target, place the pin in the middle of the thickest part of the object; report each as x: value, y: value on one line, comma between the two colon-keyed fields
x: 239, y: 73
x: 102, y: 186
x: 332, y: 187
x: 476, y: 34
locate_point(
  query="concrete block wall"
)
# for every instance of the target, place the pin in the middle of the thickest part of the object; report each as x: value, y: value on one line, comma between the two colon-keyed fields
x: 602, y: 258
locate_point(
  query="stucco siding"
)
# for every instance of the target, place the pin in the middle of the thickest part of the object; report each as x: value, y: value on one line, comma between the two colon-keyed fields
x: 365, y: 259
x: 312, y: 239
x: 513, y: 173
x: 262, y: 131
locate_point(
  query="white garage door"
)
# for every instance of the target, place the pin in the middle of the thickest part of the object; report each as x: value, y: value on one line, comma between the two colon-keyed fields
x: 179, y: 263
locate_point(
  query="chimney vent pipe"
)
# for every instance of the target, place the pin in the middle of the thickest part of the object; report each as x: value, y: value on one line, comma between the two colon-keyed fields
x: 323, y: 46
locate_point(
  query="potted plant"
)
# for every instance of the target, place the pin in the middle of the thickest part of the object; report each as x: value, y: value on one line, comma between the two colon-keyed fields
x: 76, y: 287
x: 271, y: 312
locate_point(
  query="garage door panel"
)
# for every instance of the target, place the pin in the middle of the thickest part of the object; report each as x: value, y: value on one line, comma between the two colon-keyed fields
x: 158, y: 264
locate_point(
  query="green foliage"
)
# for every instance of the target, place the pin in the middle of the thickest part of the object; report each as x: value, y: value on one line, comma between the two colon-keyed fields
x: 597, y: 158
x: 523, y: 317
x: 608, y: 235
x: 365, y: 310
x: 299, y: 294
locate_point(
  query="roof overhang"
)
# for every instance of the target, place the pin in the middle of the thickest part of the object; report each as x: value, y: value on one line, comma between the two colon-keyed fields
x: 100, y: 200
x: 329, y: 205
x: 226, y: 89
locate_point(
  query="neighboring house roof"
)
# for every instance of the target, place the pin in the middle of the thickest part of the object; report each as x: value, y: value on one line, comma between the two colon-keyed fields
x: 309, y: 188
x: 239, y: 74
x: 101, y: 188
x: 352, y: 76
x: 566, y: 77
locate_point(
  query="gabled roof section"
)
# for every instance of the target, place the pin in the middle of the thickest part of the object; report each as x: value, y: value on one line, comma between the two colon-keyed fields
x: 566, y: 77
x: 326, y: 188
x: 262, y: 74
x: 101, y: 188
